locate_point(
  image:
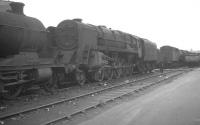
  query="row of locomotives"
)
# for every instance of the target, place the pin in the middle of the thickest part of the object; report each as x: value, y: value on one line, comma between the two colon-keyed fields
x: 72, y: 52
x: 22, y: 58
x: 96, y: 53
x: 169, y: 57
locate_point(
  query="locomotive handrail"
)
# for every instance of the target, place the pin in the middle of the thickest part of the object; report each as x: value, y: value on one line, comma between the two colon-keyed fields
x: 115, y: 49
x: 23, y: 28
x: 34, y: 66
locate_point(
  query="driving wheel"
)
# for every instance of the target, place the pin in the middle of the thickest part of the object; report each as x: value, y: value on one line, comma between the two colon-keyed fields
x: 99, y: 75
x: 12, y: 92
x: 80, y: 77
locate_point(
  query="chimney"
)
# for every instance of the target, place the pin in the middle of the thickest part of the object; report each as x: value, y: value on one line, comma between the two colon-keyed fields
x: 17, y: 8
x: 78, y: 20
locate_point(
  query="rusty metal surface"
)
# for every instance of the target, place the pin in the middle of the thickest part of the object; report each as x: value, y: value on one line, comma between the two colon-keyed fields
x: 150, y: 51
x: 169, y: 54
x: 19, y: 32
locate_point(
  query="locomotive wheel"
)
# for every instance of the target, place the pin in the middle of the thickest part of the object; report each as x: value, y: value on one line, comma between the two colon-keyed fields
x: 99, y: 75
x: 129, y: 71
x: 153, y: 66
x: 60, y: 79
x: 150, y: 68
x: 117, y: 73
x: 123, y: 70
x: 132, y: 70
x: 50, y: 85
x: 108, y: 74
x: 146, y: 69
x: 80, y: 77
x: 141, y: 68
x: 12, y: 92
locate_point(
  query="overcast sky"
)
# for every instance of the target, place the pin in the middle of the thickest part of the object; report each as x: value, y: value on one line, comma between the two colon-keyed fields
x: 165, y: 22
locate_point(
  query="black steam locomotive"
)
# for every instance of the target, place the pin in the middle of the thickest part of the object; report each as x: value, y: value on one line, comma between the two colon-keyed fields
x: 97, y: 52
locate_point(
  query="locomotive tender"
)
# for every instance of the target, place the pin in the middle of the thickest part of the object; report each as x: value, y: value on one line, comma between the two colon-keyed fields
x: 169, y: 56
x: 72, y: 51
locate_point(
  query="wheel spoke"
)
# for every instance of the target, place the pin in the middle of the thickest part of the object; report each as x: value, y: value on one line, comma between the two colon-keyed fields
x: 99, y: 75
x: 12, y: 92
x: 108, y: 74
x: 117, y: 73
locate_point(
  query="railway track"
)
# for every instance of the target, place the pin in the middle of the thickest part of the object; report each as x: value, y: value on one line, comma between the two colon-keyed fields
x: 35, y: 96
x: 67, y: 108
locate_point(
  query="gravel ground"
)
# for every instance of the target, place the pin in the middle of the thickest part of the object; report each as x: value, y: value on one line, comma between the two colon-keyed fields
x: 99, y: 110
x: 38, y: 97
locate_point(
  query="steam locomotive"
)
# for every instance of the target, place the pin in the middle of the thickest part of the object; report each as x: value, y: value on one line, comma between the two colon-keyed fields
x: 73, y: 51
x: 22, y: 57
x: 97, y: 52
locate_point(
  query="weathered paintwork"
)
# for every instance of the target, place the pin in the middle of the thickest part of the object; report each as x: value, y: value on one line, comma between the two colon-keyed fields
x: 75, y: 39
x: 169, y: 54
x: 20, y: 33
x: 149, y: 50
x: 192, y: 58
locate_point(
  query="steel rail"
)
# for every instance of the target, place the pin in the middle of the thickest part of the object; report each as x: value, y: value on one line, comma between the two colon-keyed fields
x: 9, y: 115
x: 67, y: 117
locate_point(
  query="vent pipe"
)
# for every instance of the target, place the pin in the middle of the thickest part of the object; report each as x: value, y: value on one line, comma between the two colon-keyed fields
x: 17, y: 8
